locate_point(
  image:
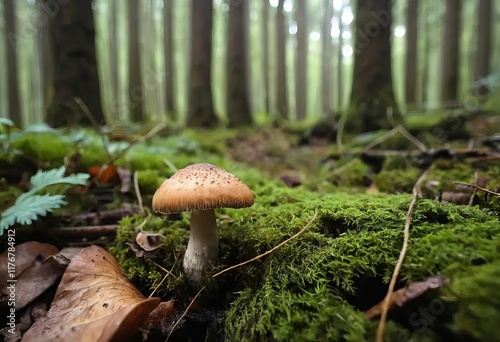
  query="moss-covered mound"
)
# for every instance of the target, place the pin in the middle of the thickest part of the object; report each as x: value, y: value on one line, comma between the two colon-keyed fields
x: 317, y: 286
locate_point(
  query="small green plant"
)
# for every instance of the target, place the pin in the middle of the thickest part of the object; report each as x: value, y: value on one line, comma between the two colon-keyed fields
x: 29, y: 206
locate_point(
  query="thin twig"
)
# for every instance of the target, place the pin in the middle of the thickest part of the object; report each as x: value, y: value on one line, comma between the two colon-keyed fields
x: 168, y: 272
x: 402, y: 255
x: 272, y: 249
x: 479, y: 188
x: 474, y: 192
x: 95, y: 124
x: 184, y: 313
x: 138, y: 191
x: 171, y: 165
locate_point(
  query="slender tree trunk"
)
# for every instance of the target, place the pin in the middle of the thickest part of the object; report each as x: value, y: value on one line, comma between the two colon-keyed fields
x: 169, y: 57
x: 11, y: 39
x: 411, y: 52
x: 200, y: 102
x: 372, y: 95
x: 427, y: 58
x: 449, y: 86
x: 238, y: 105
x: 340, y: 66
x: 326, y: 60
x: 265, y: 51
x: 135, y: 88
x: 301, y: 63
x: 483, y: 49
x: 281, y: 90
x: 75, y: 64
x: 113, y: 55
x: 45, y: 58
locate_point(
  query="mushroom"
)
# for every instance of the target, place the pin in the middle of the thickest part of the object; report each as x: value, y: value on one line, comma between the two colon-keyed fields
x: 201, y: 188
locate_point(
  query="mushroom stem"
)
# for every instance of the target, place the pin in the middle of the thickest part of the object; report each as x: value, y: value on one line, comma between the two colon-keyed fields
x: 203, y: 245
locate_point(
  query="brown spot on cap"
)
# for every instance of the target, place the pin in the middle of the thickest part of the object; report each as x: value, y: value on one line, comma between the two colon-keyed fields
x: 201, y: 187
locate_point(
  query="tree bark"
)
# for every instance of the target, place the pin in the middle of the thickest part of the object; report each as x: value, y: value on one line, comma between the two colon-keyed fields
x: 449, y: 85
x: 483, y: 48
x: 11, y: 39
x: 281, y: 89
x: 135, y: 87
x: 265, y: 52
x: 75, y: 64
x: 372, y: 95
x: 169, y: 58
x: 200, y: 102
x: 113, y: 55
x: 301, y: 63
x: 238, y: 105
x: 326, y: 60
x: 45, y: 57
x: 411, y: 52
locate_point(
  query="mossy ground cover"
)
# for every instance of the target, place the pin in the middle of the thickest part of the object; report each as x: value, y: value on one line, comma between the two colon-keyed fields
x: 316, y: 287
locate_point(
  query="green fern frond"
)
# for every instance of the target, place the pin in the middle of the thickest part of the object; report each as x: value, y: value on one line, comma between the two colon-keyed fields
x: 28, y: 207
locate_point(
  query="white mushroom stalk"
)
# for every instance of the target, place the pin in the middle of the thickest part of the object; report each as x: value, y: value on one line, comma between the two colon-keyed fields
x: 203, y: 246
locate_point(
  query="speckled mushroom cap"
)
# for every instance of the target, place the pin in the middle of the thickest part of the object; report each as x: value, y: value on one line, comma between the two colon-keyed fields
x: 201, y: 187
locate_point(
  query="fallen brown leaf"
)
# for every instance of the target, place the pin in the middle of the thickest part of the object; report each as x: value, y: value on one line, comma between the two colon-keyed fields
x: 94, y: 302
x: 33, y: 276
x: 404, y: 295
x: 149, y: 241
x: 162, y: 318
x: 25, y: 255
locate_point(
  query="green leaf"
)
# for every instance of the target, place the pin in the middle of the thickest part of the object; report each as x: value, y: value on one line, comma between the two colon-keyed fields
x: 56, y: 176
x: 28, y: 207
x: 40, y: 128
x: 7, y: 122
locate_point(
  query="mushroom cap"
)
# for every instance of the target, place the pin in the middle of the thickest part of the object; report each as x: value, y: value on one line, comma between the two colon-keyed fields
x: 201, y: 187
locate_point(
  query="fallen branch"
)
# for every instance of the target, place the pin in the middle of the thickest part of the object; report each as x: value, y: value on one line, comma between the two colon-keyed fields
x: 260, y: 256
x: 85, y: 231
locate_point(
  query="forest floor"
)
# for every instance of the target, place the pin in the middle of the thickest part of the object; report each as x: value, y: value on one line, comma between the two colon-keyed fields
x: 332, y: 217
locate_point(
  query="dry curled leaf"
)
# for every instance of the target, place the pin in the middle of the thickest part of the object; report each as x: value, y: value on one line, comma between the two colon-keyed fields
x: 162, y: 318
x: 32, y: 276
x: 149, y: 241
x: 404, y: 295
x: 25, y: 255
x: 94, y: 302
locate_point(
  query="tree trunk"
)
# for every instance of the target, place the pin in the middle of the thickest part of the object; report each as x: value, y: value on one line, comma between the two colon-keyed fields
x: 135, y: 88
x: 281, y: 92
x: 238, y: 106
x: 372, y: 95
x: 301, y: 63
x: 169, y: 57
x: 326, y: 60
x: 113, y: 56
x: 45, y: 57
x: 11, y: 38
x: 265, y: 51
x: 411, y: 52
x: 200, y: 103
x: 449, y: 85
x: 483, y: 48
x: 75, y: 65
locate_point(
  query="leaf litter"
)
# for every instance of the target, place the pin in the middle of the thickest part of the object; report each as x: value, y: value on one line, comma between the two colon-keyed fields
x: 33, y: 276
x: 94, y: 302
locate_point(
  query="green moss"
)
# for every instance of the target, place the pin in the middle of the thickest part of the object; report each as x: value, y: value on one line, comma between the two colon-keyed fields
x: 47, y: 148
x: 313, y: 287
x: 139, y: 269
x: 475, y: 292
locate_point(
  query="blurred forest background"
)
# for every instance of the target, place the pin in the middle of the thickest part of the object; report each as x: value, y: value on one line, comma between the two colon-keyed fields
x: 240, y: 62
